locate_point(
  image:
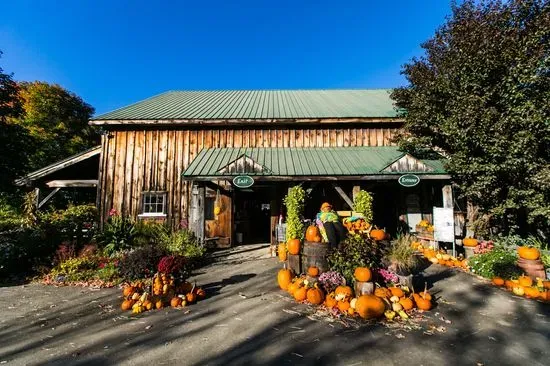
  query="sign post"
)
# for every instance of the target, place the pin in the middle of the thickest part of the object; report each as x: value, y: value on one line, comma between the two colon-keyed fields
x: 243, y: 181
x: 444, y: 226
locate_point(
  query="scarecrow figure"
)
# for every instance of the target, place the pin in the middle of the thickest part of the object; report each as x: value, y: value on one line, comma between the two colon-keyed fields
x: 332, y: 226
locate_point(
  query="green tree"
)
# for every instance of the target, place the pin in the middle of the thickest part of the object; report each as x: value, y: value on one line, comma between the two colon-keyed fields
x: 57, y: 119
x: 480, y: 95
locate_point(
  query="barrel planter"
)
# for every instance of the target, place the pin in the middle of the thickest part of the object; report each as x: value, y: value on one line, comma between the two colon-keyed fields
x: 315, y: 255
x: 533, y: 268
x: 363, y: 288
x: 294, y: 263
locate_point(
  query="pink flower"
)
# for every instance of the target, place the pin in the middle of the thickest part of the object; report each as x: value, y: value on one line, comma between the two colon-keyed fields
x: 113, y: 212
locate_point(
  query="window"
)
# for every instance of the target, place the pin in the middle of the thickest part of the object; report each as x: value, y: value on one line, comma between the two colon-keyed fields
x: 209, y: 208
x: 154, y: 204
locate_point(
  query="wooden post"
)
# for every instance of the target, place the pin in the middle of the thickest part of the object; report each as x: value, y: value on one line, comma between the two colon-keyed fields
x: 447, y: 191
x: 355, y: 192
x: 343, y: 195
x: 196, y: 219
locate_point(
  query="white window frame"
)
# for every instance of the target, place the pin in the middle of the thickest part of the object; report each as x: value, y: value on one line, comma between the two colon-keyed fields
x: 162, y: 194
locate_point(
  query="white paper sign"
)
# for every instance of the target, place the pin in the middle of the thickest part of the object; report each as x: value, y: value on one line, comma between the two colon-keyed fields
x: 444, y: 227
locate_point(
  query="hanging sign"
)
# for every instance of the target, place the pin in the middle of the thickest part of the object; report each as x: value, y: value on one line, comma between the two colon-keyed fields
x: 408, y: 180
x: 243, y: 181
x: 444, y: 226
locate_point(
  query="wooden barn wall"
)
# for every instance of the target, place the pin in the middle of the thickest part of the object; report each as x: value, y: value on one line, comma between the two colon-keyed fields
x: 141, y: 160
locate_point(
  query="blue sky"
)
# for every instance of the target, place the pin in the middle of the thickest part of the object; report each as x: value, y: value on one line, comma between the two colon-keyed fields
x: 113, y: 53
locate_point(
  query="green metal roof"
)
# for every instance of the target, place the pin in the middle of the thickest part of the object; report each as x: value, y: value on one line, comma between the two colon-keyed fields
x: 314, y: 161
x: 259, y: 104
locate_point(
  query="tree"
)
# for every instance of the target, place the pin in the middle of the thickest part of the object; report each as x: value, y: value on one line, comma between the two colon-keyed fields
x: 57, y: 119
x: 14, y: 158
x: 480, y: 95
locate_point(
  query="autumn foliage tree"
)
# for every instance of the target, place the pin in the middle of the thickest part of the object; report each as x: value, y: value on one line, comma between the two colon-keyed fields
x: 480, y: 94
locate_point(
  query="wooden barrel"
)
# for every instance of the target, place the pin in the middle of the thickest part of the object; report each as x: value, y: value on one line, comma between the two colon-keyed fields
x: 315, y: 255
x: 294, y: 263
x: 364, y: 288
x: 533, y: 268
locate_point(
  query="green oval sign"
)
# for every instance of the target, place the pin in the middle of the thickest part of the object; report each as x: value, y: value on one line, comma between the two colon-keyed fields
x: 243, y: 181
x: 408, y: 180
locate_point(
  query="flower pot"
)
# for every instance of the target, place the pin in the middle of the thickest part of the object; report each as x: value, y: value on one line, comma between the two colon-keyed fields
x: 406, y: 280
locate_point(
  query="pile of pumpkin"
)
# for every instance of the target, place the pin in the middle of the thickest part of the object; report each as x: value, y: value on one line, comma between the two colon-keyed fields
x: 359, y: 225
x: 165, y: 291
x: 525, y: 286
x: 390, y: 302
x: 440, y: 257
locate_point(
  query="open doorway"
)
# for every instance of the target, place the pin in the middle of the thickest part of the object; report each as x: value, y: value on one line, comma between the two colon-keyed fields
x: 252, y: 218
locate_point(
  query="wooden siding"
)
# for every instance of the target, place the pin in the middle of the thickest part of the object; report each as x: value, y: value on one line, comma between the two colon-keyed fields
x: 135, y: 161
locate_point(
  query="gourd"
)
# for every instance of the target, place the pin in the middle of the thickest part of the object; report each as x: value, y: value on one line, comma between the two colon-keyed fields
x: 407, y: 303
x: 498, y: 281
x: 330, y: 302
x: 525, y: 281
x: 396, y: 291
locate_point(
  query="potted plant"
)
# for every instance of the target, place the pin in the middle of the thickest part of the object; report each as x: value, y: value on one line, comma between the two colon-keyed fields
x: 402, y: 260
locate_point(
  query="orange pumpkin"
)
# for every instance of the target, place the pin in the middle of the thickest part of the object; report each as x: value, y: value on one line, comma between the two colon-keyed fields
x: 407, y: 303
x: 377, y: 234
x: 382, y: 292
x: 529, y: 253
x: 469, y: 242
x: 127, y: 304
x: 159, y: 304
x: 423, y: 304
x: 531, y: 292
x: 191, y: 297
x: 284, y: 277
x: 546, y: 284
x: 293, y: 286
x: 330, y: 302
x: 312, y: 232
x: 362, y: 274
x: 396, y: 291
x: 300, y: 294
x: 313, y: 271
x: 175, y: 302
x: 317, y: 239
x: 509, y: 284
x: 281, y: 251
x: 525, y: 281
x: 343, y: 292
x: 314, y: 296
x: 369, y: 306
x: 128, y: 291
x: 201, y: 294
x: 544, y: 296
x: 498, y: 281
x: 293, y: 246
x: 343, y: 306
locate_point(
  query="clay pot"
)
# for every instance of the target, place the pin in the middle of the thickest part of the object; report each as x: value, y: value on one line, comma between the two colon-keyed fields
x: 533, y: 268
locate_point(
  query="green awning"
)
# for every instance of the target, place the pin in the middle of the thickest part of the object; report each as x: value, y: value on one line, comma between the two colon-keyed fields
x: 312, y: 162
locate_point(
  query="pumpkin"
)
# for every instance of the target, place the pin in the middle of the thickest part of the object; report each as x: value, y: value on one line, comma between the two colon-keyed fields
x: 175, y: 302
x: 396, y: 291
x: 343, y: 306
x: 314, y: 296
x: 406, y: 303
x: 313, y: 271
x: 351, y: 311
x: 128, y: 291
x: 546, y: 284
x: 159, y: 304
x: 330, y: 302
x: 201, y: 294
x: 377, y: 234
x: 342, y: 293
x: 293, y: 286
x: 525, y: 281
x: 382, y: 292
x: 362, y: 274
x: 127, y: 305
x: 312, y: 232
x: 529, y: 253
x: 148, y: 305
x: 317, y: 239
x: 469, y: 242
x: 531, y: 292
x: 191, y: 297
x: 544, y: 295
x: 423, y: 303
x: 498, y: 281
x: 293, y: 246
x: 509, y: 284
x: 370, y: 306
x: 186, y: 287
x: 300, y: 294
x: 281, y: 252
x: 518, y: 290
x: 284, y: 277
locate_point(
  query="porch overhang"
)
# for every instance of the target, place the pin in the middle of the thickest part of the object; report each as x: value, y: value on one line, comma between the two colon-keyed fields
x: 383, y: 163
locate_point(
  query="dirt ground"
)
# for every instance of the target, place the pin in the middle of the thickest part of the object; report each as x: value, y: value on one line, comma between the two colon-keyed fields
x: 246, y: 319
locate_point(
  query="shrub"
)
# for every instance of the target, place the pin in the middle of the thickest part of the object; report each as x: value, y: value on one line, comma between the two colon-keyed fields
x: 76, y: 224
x: 182, y: 242
x: 141, y: 262
x: 498, y: 262
x: 357, y: 250
x: 401, y: 256
x: 118, y: 234
x: 148, y: 232
x: 76, y: 269
x: 363, y: 204
x: 175, y: 265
